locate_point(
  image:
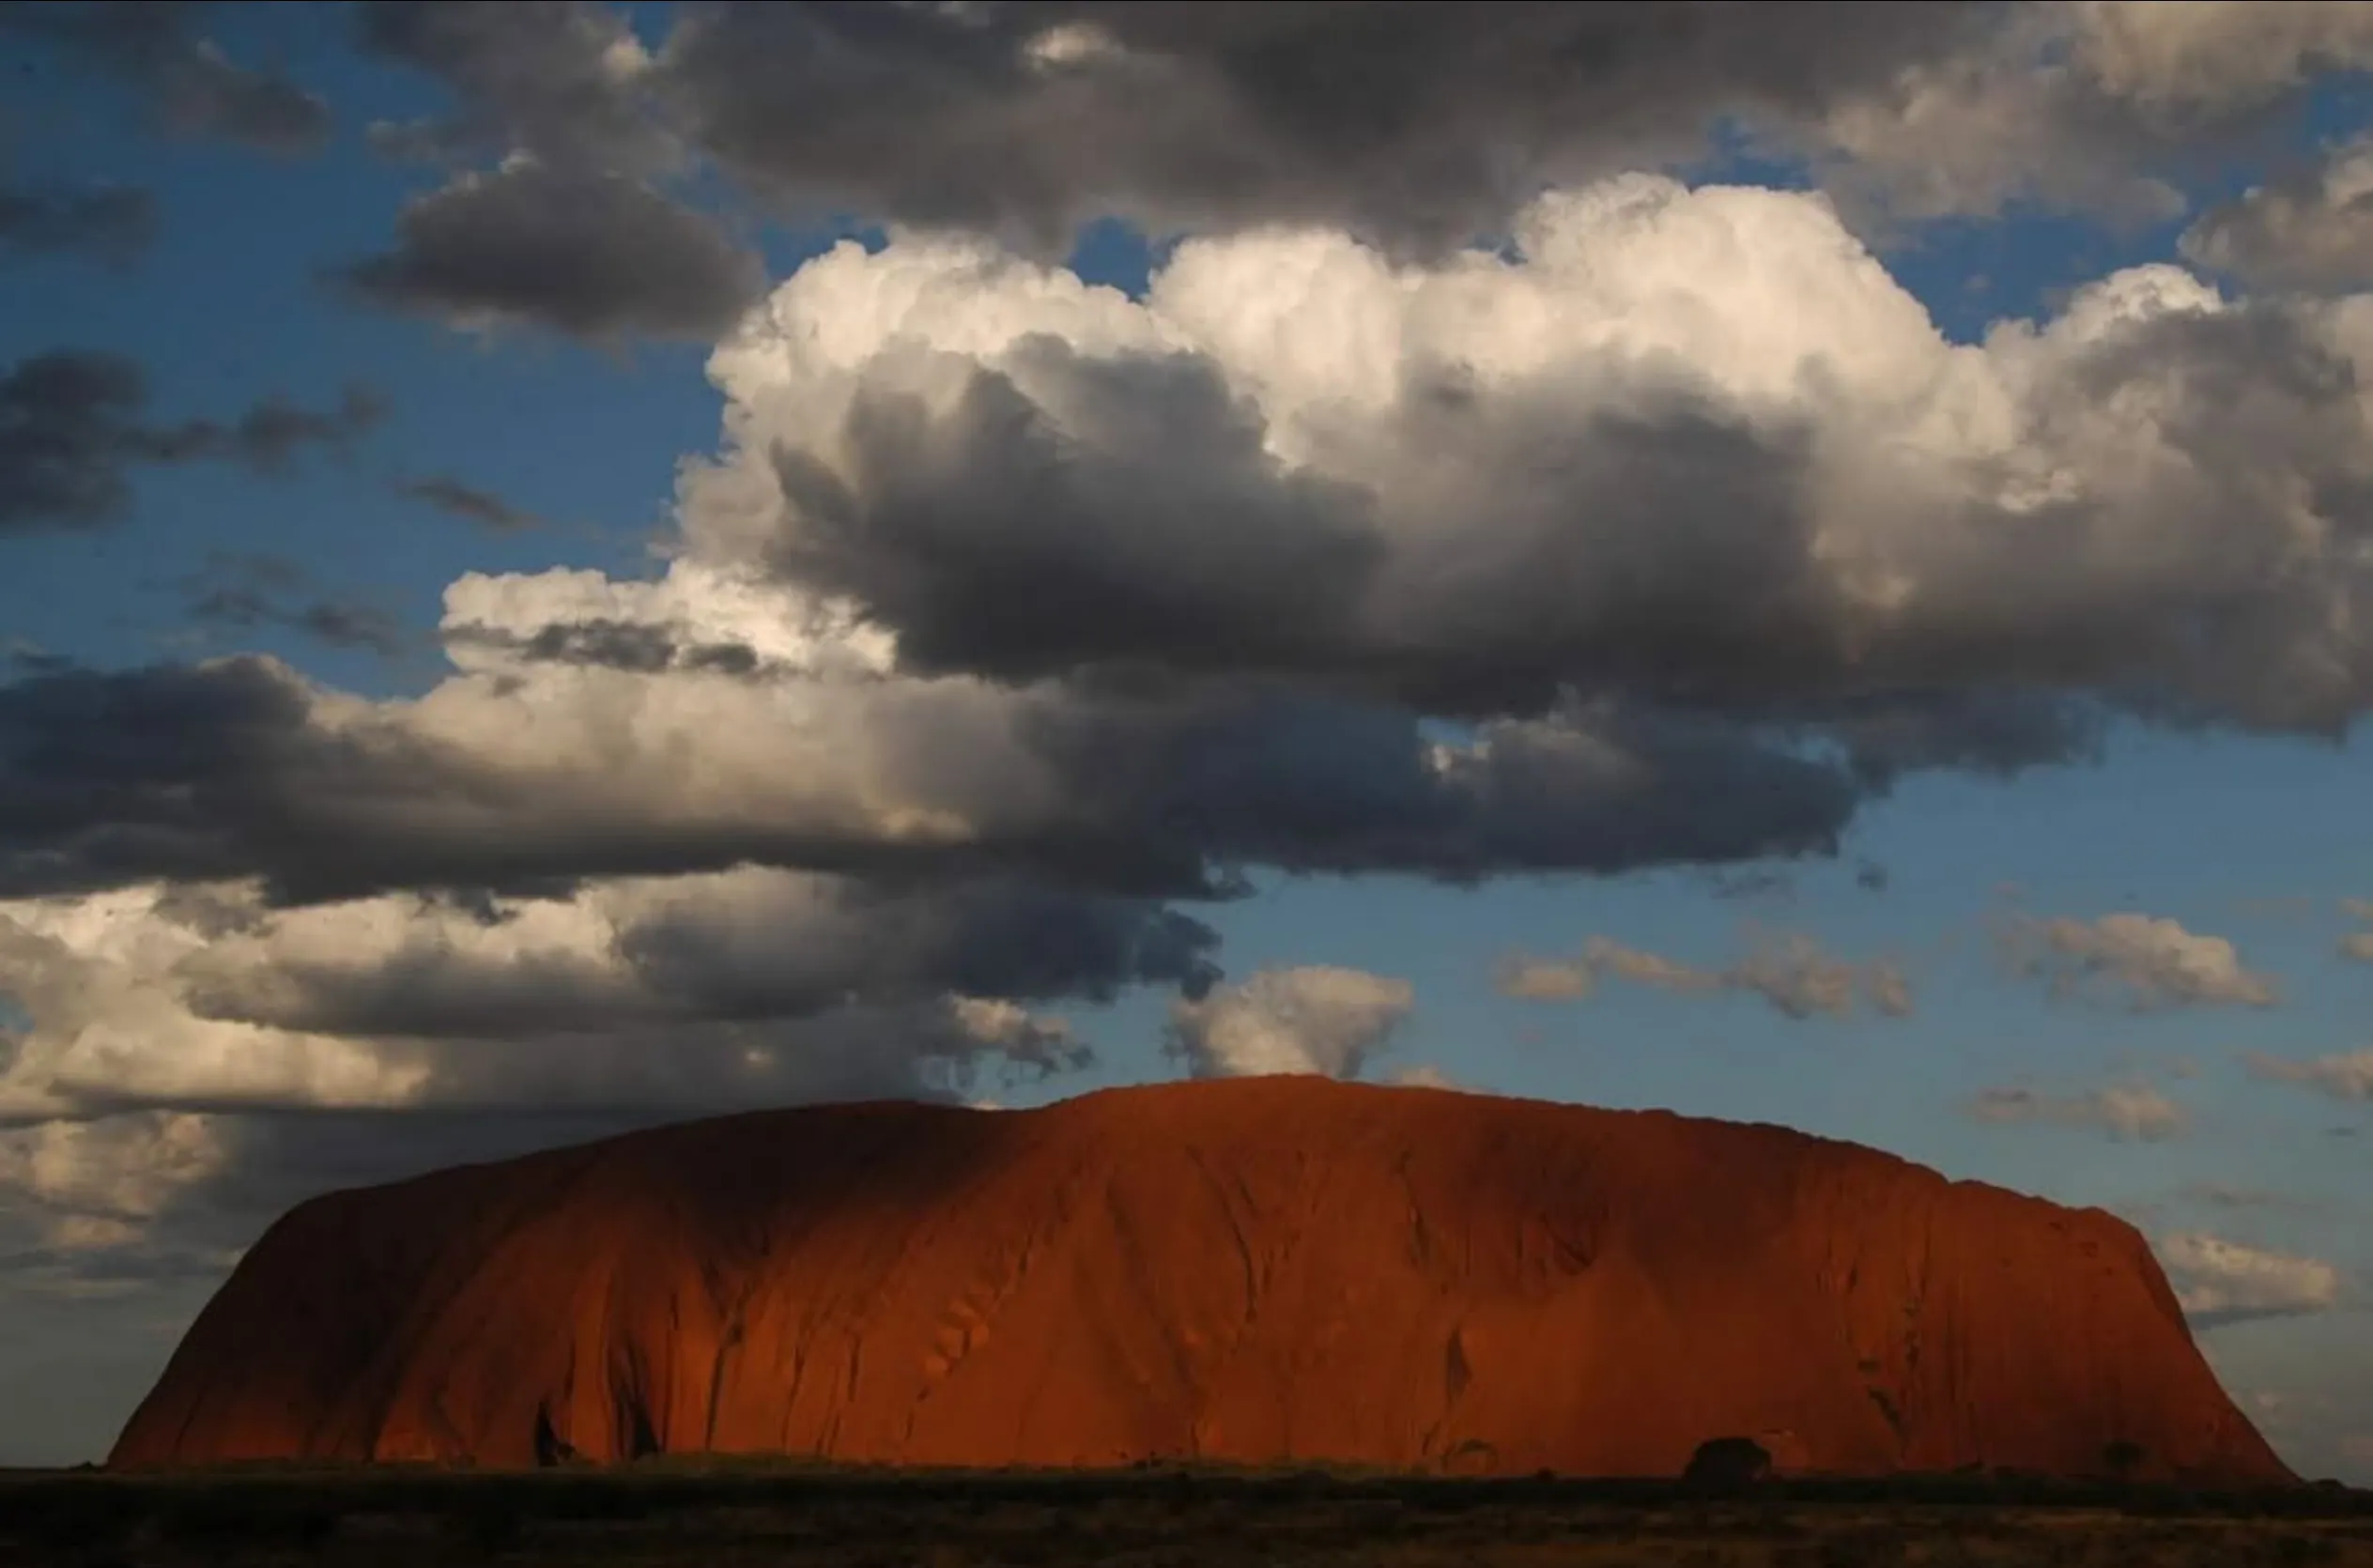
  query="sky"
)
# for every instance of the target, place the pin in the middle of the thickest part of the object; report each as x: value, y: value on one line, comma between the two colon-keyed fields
x: 565, y: 566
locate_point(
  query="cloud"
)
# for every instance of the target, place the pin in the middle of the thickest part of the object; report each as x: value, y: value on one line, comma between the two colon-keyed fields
x: 575, y: 231
x: 595, y: 256
x: 2147, y: 964
x: 1789, y: 971
x: 2127, y: 1112
x: 116, y: 1195
x: 1535, y: 979
x: 454, y: 499
x: 2090, y: 105
x: 1424, y: 127
x: 2221, y: 1195
x: 71, y: 433
x: 192, y: 86
x: 2219, y: 1282
x: 558, y: 79
x: 2343, y: 1075
x: 92, y: 1183
x: 2309, y: 231
x: 1420, y: 127
x: 634, y: 997
x: 1024, y: 121
x: 1794, y: 975
x: 1600, y: 464
x: 689, y: 620
x: 271, y: 434
x: 116, y: 223
x: 2358, y: 945
x: 337, y: 623
x: 1318, y: 1019
x: 238, y: 768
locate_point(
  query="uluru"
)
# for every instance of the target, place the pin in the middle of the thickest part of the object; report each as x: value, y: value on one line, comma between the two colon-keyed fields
x: 1254, y: 1271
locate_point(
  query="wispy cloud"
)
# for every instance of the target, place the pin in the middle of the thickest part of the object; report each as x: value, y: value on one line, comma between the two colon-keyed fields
x: 2220, y: 1281
x: 1790, y: 971
x: 466, y: 501
x: 2144, y: 963
x: 2128, y: 1112
x: 114, y: 223
x: 2343, y: 1075
x: 2217, y: 1194
x: 72, y: 435
x: 249, y: 591
x: 2358, y: 945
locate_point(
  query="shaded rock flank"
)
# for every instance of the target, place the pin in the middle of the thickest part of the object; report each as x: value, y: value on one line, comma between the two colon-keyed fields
x: 1246, y: 1271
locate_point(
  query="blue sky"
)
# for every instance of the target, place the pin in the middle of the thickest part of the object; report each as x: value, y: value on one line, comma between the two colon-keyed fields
x: 2253, y: 838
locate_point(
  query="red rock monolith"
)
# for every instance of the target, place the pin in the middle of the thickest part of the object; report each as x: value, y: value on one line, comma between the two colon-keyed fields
x: 1258, y: 1271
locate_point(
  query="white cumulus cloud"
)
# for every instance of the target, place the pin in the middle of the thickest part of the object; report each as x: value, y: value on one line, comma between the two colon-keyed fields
x: 1319, y: 1019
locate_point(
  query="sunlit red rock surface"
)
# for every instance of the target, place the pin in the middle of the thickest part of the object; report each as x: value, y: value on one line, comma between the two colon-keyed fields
x: 1251, y: 1271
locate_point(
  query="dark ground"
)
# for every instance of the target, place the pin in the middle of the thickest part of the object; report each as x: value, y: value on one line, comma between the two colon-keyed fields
x: 674, y: 1513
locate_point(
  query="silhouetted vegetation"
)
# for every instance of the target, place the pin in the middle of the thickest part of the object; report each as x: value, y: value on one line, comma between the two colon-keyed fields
x: 1728, y: 1465
x: 685, y: 1511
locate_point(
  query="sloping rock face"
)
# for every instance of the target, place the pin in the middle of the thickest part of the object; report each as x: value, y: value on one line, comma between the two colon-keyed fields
x: 1253, y: 1272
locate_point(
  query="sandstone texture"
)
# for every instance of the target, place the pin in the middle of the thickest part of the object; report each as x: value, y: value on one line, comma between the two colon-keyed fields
x: 1284, y: 1269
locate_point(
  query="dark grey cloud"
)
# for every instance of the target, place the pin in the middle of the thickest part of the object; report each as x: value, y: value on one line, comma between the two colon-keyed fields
x: 192, y: 86
x: 67, y: 438
x: 1423, y: 125
x: 574, y: 232
x: 1427, y: 124
x: 226, y: 771
x: 1315, y: 785
x: 466, y: 501
x: 596, y: 255
x: 71, y: 433
x: 558, y: 79
x: 1420, y: 125
x: 114, y: 223
x: 196, y: 772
